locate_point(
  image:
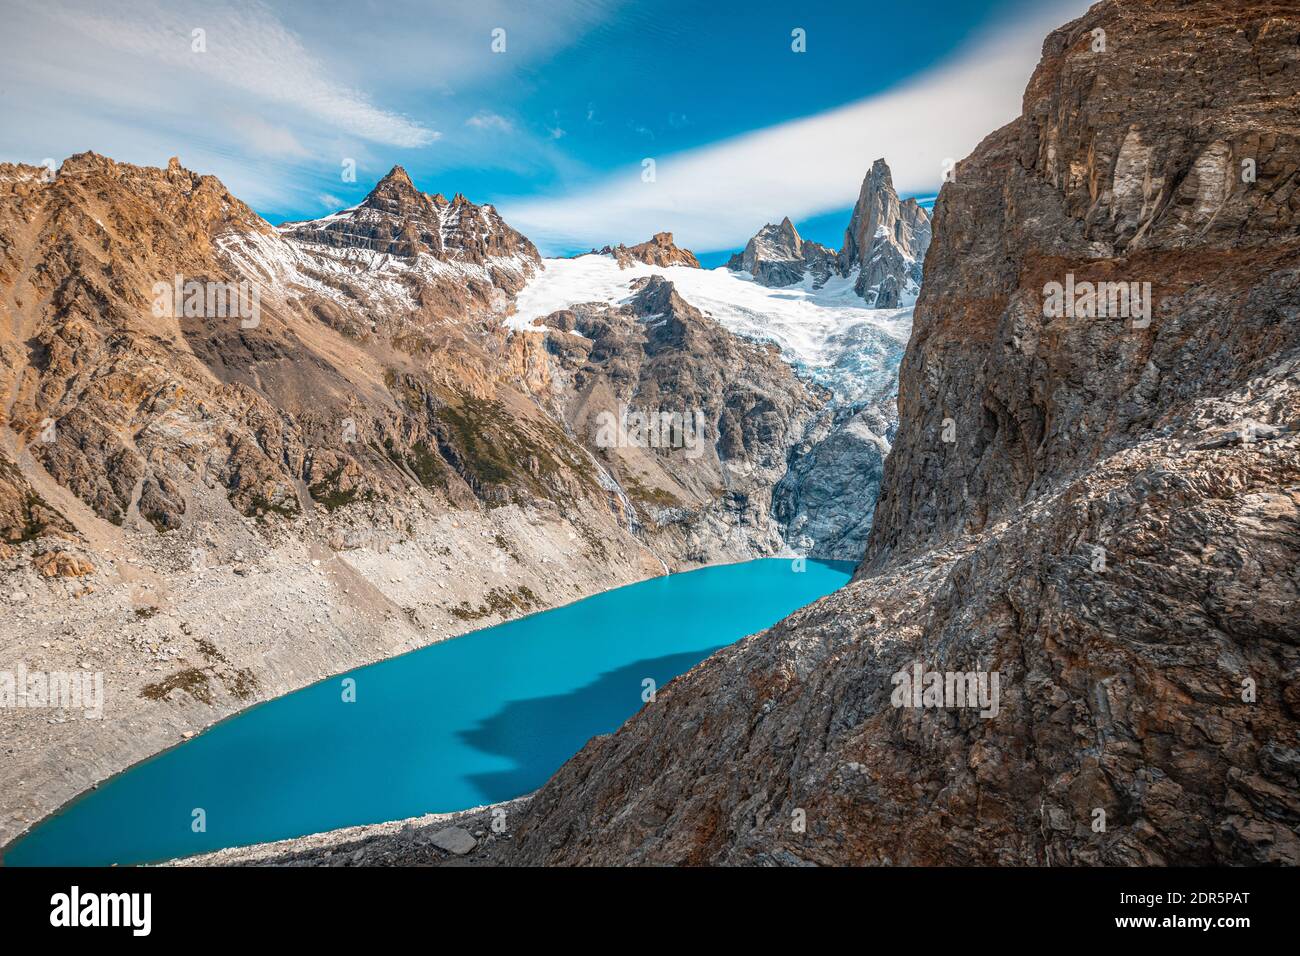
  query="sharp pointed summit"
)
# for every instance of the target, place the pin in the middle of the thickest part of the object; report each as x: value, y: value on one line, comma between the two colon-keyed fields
x: 397, y: 219
x: 397, y: 174
x: 778, y: 256
x: 885, y: 242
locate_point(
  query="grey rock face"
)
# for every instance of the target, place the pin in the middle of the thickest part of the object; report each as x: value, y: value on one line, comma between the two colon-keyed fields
x: 709, y: 493
x: 826, y: 500
x: 886, y: 242
x: 778, y: 256
x: 1050, y: 515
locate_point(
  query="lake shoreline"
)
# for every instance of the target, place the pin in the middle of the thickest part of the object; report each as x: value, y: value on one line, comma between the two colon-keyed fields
x: 544, y: 647
x: 284, y: 653
x: 411, y: 841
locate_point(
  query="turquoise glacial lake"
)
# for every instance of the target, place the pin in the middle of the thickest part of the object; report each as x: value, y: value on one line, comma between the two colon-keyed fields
x: 476, y: 719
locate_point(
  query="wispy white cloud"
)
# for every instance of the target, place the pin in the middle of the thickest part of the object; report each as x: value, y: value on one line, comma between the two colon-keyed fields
x: 243, y: 45
x: 284, y: 92
x: 266, y: 138
x: 486, y: 120
x: 716, y: 197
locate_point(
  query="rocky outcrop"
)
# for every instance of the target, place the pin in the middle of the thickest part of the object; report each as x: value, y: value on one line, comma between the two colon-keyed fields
x: 825, y: 501
x: 884, y: 248
x: 1079, y: 505
x: 702, y: 486
x: 660, y: 250
x: 885, y: 242
x: 778, y: 256
x: 24, y: 514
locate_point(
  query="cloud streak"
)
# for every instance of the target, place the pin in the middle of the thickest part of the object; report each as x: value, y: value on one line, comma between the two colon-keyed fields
x: 247, y: 48
x: 717, y: 196
x: 487, y: 120
x: 286, y: 90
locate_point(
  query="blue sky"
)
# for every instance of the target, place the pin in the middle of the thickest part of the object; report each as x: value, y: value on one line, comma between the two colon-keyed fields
x: 555, y: 129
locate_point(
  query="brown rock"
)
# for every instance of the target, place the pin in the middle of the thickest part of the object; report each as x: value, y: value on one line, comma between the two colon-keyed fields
x: 660, y: 250
x: 61, y: 564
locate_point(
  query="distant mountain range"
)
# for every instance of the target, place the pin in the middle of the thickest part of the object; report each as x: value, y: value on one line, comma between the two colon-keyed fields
x: 884, y: 248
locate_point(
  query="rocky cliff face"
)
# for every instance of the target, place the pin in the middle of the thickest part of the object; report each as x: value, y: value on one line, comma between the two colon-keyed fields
x: 1102, y: 510
x: 884, y: 248
x: 734, y: 410
x: 826, y: 499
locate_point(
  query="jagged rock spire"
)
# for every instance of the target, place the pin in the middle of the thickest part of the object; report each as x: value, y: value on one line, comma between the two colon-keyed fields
x: 886, y: 241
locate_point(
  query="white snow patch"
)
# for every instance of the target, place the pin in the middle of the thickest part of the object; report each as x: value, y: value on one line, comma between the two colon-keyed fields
x: 804, y: 322
x: 858, y: 428
x: 282, y: 263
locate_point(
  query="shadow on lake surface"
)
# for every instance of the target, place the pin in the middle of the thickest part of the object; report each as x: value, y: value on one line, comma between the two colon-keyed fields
x: 539, y: 734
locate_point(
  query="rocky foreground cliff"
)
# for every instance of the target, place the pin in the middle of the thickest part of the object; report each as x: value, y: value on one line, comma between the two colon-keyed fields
x: 1100, y: 506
